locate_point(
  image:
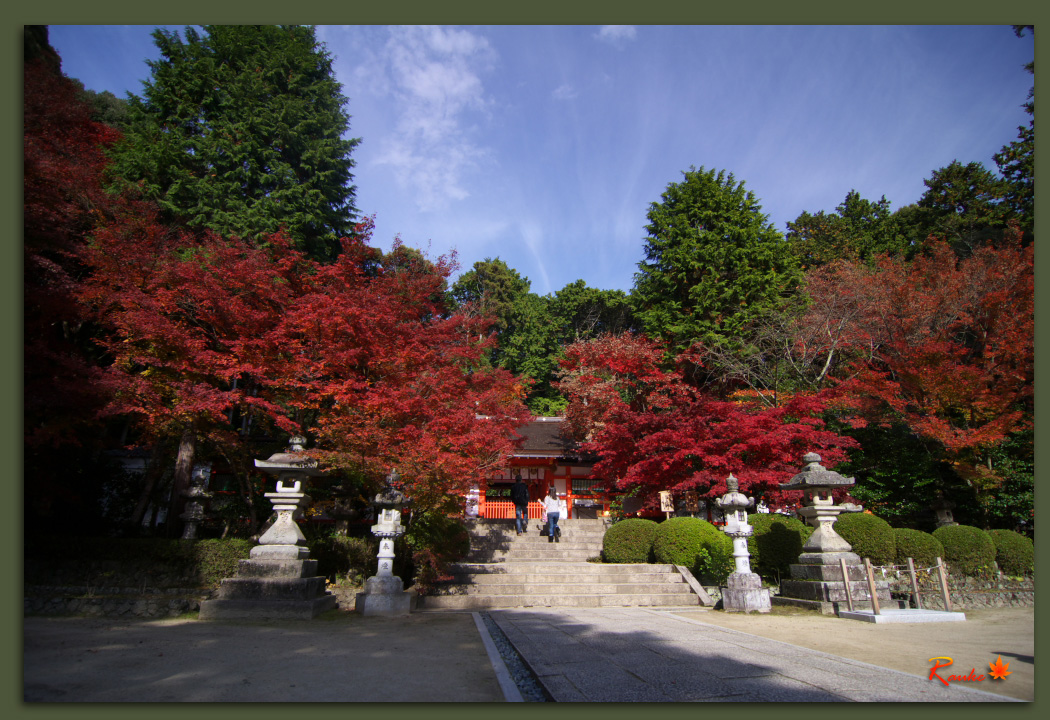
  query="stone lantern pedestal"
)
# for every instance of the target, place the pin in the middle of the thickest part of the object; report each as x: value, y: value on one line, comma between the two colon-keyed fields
x: 744, y: 591
x: 384, y: 592
x: 279, y: 581
x: 816, y: 580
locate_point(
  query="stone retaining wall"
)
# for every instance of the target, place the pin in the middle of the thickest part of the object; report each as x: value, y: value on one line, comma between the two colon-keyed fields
x: 113, y: 602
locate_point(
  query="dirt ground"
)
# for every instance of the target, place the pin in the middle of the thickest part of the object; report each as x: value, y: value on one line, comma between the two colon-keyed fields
x: 985, y: 635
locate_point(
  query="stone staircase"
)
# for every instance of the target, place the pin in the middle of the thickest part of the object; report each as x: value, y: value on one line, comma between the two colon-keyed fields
x: 506, y: 570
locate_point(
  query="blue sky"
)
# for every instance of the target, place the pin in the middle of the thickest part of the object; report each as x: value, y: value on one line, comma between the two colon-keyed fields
x: 545, y: 145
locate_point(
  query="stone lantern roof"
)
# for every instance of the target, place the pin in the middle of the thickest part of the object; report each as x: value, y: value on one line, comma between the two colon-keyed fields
x: 290, y: 460
x: 814, y: 475
x: 390, y: 496
x: 733, y: 498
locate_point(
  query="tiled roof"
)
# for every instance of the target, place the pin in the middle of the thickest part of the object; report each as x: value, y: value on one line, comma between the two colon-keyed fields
x: 544, y: 438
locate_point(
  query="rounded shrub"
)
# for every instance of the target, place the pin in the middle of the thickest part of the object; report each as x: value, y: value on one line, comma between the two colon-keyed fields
x: 629, y: 541
x: 695, y: 544
x: 776, y: 543
x: 1014, y: 553
x: 921, y: 547
x: 871, y: 537
x: 967, y: 550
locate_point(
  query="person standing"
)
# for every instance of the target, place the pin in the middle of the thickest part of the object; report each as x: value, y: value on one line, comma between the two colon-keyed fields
x: 519, y: 495
x: 553, y: 507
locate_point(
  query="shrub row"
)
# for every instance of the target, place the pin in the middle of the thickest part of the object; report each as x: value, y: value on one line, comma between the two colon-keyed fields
x: 81, y: 560
x: 690, y: 542
x: 778, y: 540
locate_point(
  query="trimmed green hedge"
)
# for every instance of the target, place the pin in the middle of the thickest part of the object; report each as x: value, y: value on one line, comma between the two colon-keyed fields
x: 921, y: 547
x: 776, y: 543
x: 629, y: 541
x: 695, y: 544
x: 1014, y: 553
x: 870, y: 536
x: 205, y: 562
x: 967, y: 550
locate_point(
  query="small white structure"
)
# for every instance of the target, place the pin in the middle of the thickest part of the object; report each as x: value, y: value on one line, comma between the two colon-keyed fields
x: 744, y: 591
x: 384, y: 592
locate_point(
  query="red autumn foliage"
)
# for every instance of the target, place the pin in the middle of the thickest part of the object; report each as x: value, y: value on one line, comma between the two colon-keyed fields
x: 946, y: 345
x: 359, y: 353
x: 652, y: 430
x: 62, y: 197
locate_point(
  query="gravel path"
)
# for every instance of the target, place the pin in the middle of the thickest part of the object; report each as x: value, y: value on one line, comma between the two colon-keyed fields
x: 528, y: 685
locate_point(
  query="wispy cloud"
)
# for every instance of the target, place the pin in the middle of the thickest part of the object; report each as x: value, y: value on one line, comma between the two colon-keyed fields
x: 617, y: 35
x: 564, y: 91
x: 434, y: 76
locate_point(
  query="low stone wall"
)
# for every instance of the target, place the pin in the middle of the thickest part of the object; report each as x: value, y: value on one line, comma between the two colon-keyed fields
x: 972, y: 593
x: 112, y: 602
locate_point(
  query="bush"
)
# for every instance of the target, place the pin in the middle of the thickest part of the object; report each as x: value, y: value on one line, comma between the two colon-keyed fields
x: 870, y: 536
x: 776, y: 543
x: 920, y: 546
x: 435, y: 540
x: 352, y: 558
x: 1014, y: 553
x: 695, y: 544
x: 968, y: 550
x: 82, y: 560
x: 629, y: 541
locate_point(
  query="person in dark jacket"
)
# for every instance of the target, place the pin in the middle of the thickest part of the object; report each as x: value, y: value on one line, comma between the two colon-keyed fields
x: 519, y: 494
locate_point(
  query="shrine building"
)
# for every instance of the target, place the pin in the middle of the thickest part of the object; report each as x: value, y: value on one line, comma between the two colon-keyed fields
x: 546, y: 457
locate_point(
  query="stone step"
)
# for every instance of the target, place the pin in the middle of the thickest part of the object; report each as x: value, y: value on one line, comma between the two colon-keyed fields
x: 484, y: 602
x: 566, y: 588
x: 540, y: 554
x: 570, y: 568
x: 648, y: 579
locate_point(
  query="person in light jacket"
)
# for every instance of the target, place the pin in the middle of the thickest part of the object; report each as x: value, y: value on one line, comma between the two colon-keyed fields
x: 553, y: 506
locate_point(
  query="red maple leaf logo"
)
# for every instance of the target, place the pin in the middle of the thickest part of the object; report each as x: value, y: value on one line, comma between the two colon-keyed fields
x: 999, y: 670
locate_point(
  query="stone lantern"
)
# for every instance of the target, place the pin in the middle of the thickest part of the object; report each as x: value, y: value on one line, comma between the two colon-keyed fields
x: 744, y: 591
x: 384, y: 592
x: 816, y: 581
x: 943, y: 509
x: 193, y: 513
x: 284, y: 539
x: 279, y: 580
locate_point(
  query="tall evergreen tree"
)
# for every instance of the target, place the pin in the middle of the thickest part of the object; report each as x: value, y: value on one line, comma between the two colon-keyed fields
x: 713, y: 262
x: 1016, y: 161
x: 241, y: 130
x: 858, y: 230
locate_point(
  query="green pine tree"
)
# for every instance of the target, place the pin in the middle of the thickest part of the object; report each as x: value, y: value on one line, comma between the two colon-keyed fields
x: 713, y: 262
x: 241, y: 130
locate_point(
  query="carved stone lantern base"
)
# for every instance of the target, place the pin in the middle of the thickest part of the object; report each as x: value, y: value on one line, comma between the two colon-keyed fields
x: 282, y: 589
x: 385, y: 595
x: 744, y: 593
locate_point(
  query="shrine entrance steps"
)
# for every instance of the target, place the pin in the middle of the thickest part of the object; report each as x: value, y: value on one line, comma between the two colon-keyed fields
x: 505, y: 570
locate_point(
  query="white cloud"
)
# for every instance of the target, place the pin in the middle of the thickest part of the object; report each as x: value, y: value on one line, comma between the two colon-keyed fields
x: 616, y: 34
x: 434, y: 76
x: 564, y: 92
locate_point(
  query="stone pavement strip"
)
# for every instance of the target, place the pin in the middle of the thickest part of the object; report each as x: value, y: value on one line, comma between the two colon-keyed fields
x: 642, y: 655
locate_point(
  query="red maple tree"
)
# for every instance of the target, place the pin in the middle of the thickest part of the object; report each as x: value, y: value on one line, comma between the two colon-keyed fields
x: 946, y: 345
x: 651, y: 430
x: 361, y: 353
x: 63, y: 161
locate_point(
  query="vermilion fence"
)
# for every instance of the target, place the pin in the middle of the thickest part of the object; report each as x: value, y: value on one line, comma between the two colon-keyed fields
x: 504, y: 509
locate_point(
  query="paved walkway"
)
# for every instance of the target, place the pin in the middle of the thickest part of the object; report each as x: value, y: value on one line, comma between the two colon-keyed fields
x: 642, y: 655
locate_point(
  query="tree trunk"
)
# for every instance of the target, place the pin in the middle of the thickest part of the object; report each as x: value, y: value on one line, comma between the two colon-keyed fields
x: 153, y: 473
x: 183, y: 475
